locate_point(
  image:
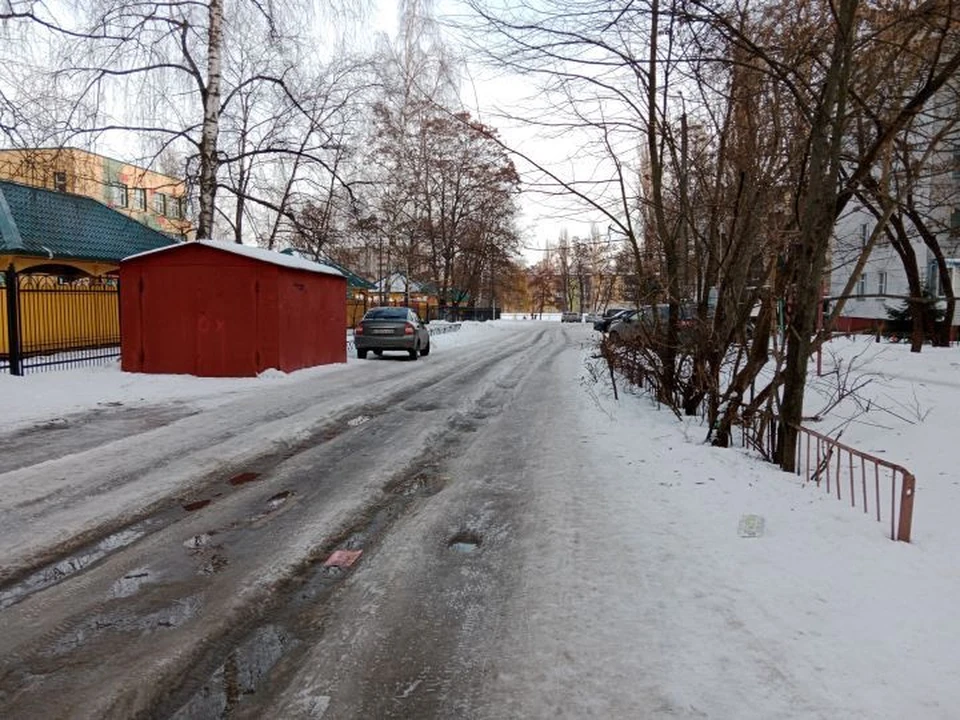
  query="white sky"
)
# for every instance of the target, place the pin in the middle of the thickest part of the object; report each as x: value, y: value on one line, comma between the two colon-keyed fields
x: 486, y: 96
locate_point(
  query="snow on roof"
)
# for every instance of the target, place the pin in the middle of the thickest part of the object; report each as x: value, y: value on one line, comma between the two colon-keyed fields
x: 397, y: 282
x: 257, y: 253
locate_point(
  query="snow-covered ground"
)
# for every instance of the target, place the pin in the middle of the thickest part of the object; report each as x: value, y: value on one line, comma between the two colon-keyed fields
x: 44, y: 396
x: 821, y: 600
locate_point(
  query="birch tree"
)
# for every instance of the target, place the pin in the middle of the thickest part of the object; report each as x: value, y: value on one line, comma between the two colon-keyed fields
x: 160, y: 75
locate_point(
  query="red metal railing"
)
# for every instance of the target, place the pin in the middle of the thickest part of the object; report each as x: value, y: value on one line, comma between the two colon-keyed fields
x: 863, y: 478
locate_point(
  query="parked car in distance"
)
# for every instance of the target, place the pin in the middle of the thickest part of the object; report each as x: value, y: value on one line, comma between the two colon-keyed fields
x: 609, y: 315
x: 623, y: 325
x: 654, y: 318
x: 571, y: 317
x: 391, y: 328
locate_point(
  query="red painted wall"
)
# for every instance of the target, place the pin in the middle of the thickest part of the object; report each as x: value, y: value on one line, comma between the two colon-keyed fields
x: 849, y: 324
x: 203, y: 311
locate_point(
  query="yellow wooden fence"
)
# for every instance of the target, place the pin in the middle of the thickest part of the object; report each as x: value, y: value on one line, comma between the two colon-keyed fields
x: 57, y: 316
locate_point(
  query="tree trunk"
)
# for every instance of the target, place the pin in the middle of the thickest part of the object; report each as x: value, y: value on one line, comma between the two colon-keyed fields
x: 942, y: 332
x: 211, y: 121
x: 816, y: 220
x: 241, y: 204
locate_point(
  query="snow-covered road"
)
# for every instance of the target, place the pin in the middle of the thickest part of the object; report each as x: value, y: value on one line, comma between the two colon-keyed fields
x: 208, y: 558
x: 530, y: 548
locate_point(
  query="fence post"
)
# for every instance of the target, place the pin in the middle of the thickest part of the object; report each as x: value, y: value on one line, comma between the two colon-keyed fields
x: 13, y: 320
x: 907, y: 488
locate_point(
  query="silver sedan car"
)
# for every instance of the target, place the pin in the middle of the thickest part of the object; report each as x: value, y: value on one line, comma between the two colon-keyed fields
x: 391, y: 328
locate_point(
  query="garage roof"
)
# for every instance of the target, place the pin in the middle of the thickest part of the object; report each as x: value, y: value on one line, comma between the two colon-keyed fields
x: 262, y: 254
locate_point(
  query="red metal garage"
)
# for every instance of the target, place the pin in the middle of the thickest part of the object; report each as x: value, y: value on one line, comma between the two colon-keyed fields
x: 226, y: 310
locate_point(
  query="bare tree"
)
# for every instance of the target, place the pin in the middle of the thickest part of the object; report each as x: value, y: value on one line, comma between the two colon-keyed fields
x: 188, y: 66
x: 659, y: 75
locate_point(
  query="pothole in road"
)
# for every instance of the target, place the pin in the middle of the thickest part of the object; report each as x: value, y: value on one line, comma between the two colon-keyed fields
x: 244, y: 478
x: 465, y: 542
x: 423, y: 406
x: 266, y: 645
x: 216, y: 564
x: 279, y: 499
x: 199, y: 541
x: 197, y: 505
x: 423, y: 484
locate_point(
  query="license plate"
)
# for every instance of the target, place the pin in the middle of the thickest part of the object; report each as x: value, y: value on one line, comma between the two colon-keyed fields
x: 382, y: 331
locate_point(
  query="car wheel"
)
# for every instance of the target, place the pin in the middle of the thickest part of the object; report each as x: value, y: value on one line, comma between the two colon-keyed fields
x: 362, y: 354
x: 414, y: 354
x: 378, y: 353
x: 426, y: 350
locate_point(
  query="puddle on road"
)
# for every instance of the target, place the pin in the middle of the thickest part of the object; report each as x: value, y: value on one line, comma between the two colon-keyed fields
x: 248, y: 666
x: 131, y: 583
x: 239, y: 676
x: 55, y: 572
x: 464, y: 542
x: 125, y: 621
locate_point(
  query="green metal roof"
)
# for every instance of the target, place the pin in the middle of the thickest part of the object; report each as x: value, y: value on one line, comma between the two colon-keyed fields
x: 39, y: 222
x: 353, y: 280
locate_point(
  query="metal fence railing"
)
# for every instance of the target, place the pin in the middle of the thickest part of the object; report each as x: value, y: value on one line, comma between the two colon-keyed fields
x: 875, y: 485
x: 53, y: 321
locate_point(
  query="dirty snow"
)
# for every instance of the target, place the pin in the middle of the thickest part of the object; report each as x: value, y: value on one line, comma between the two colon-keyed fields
x: 821, y: 616
x: 45, y: 396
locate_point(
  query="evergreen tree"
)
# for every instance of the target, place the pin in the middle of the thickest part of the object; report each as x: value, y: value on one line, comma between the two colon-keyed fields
x: 900, y: 322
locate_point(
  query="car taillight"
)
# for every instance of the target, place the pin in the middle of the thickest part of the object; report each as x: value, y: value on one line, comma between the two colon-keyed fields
x: 358, y: 330
x: 408, y: 329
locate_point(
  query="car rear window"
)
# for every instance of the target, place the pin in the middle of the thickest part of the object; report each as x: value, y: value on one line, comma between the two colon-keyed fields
x: 387, y: 313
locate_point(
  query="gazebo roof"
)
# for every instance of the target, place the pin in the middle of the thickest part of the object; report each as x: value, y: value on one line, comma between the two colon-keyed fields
x: 56, y: 225
x: 353, y: 280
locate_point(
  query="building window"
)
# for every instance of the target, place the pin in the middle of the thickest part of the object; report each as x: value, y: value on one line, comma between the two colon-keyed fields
x: 956, y: 162
x: 174, y: 207
x: 60, y: 181
x: 862, y: 285
x: 863, y: 235
x: 139, y: 199
x: 933, y: 279
x: 881, y: 283
x: 120, y: 195
x: 159, y: 203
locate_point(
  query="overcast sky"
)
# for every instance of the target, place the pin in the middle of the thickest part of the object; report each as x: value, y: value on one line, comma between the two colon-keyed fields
x: 490, y: 97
